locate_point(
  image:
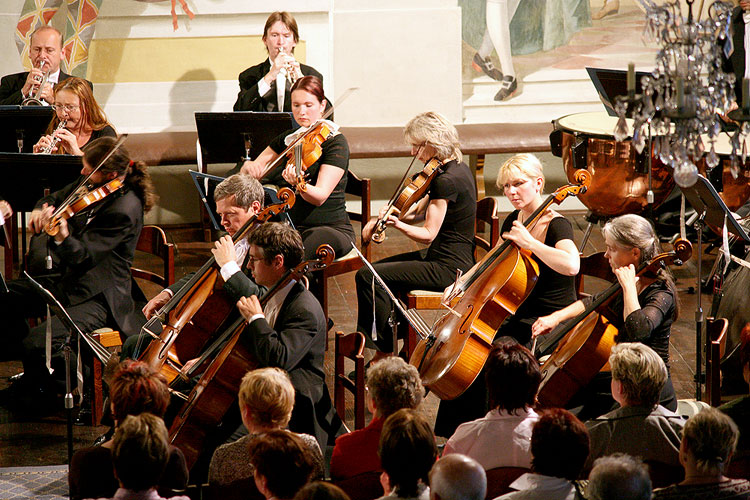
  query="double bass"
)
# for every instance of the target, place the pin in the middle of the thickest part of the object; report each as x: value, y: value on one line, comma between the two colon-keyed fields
x: 450, y: 358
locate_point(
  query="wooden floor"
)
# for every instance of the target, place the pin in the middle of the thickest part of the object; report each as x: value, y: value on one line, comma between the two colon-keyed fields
x: 43, y: 441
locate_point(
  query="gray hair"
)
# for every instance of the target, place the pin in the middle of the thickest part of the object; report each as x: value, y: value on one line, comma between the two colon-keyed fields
x: 633, y: 231
x: 433, y: 129
x: 394, y: 384
x: 245, y: 188
x: 458, y: 477
x: 619, y: 477
x: 640, y: 370
x: 711, y: 437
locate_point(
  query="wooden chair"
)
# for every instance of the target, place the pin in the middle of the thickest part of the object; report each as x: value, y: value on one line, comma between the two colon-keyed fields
x: 349, y: 347
x: 350, y: 262
x: 424, y: 299
x: 499, y: 479
x: 716, y: 341
x: 364, y: 486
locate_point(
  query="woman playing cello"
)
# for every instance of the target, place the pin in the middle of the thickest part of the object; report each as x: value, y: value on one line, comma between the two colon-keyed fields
x: 644, y: 312
x: 550, y: 240
x: 448, y: 212
x: 319, y: 212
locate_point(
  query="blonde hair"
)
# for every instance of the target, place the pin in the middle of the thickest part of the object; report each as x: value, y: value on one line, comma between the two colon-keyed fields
x: 711, y: 437
x: 269, y: 394
x: 640, y: 370
x: 523, y: 165
x: 433, y: 129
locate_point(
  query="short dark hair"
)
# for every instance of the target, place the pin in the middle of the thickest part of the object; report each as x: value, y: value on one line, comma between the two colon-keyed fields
x: 136, y: 388
x: 407, y: 451
x: 275, y: 238
x: 559, y: 444
x: 140, y: 451
x: 513, y: 376
x: 320, y: 490
x: 283, y: 459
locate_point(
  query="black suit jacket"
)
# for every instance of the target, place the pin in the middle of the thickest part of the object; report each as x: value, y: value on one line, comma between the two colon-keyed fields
x: 736, y: 61
x: 297, y: 344
x: 250, y: 100
x: 97, y: 256
x: 11, y: 85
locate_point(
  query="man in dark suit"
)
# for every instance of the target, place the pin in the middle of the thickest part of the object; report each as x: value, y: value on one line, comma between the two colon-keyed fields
x: 45, y: 54
x: 736, y: 62
x: 289, y: 331
x: 265, y: 85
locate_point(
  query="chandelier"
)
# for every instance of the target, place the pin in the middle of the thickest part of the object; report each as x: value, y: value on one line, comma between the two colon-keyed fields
x: 678, y: 110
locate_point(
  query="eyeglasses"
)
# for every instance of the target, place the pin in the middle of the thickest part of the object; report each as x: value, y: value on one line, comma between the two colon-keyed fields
x: 252, y: 260
x: 66, y: 107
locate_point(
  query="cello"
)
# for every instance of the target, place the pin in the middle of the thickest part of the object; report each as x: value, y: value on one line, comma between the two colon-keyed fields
x: 216, y: 390
x: 453, y: 354
x: 199, y: 309
x: 585, y: 341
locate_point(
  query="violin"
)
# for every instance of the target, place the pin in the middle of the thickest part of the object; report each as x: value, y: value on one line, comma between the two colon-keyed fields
x: 307, y: 151
x: 403, y: 199
x: 83, y: 198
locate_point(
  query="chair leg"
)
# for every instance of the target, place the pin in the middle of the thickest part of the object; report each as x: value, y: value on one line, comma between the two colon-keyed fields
x: 97, y: 403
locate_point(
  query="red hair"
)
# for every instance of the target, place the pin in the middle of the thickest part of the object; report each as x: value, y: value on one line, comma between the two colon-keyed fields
x: 312, y: 85
x: 136, y: 388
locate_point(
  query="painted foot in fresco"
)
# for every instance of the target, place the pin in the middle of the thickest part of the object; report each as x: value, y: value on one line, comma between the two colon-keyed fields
x: 608, y: 8
x: 508, y: 88
x: 485, y: 64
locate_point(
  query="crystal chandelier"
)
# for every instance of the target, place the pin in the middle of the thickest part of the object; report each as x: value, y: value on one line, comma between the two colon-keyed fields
x: 686, y: 92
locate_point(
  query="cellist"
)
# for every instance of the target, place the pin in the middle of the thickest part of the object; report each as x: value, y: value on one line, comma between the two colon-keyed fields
x: 550, y: 241
x: 644, y: 312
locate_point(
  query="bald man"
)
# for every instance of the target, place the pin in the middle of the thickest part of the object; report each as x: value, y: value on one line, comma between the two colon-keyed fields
x: 457, y: 477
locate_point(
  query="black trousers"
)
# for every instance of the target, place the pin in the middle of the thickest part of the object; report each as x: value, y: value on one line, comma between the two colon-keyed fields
x: 339, y: 235
x: 402, y: 273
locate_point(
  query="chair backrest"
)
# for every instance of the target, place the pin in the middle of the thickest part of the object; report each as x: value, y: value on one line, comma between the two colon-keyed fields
x: 716, y: 341
x: 364, y: 486
x: 595, y: 265
x: 499, y: 479
x: 486, y: 216
x: 351, y: 347
x: 360, y: 188
x: 153, y: 241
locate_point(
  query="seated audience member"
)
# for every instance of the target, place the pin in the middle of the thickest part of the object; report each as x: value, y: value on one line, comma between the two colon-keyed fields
x: 640, y: 427
x: 739, y: 409
x: 281, y: 462
x: 619, y: 477
x: 407, y: 453
x: 266, y: 403
x: 457, y: 477
x: 708, y: 442
x: 135, y: 389
x: 392, y: 384
x: 140, y: 453
x: 320, y: 490
x: 513, y: 379
x: 559, y: 447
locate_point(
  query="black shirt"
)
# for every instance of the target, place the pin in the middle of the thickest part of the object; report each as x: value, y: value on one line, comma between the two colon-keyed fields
x: 454, y: 243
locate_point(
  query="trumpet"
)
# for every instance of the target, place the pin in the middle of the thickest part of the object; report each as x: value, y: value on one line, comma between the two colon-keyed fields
x: 54, y: 138
x: 36, y: 98
x: 290, y: 70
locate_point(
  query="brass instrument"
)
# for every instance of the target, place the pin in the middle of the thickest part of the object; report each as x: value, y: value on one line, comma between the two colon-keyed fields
x: 54, y: 138
x: 36, y: 98
x: 290, y: 70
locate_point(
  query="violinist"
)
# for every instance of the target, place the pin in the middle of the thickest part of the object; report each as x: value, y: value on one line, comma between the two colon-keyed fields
x: 319, y: 213
x: 644, y: 312
x: 78, y: 120
x: 267, y: 86
x: 443, y: 219
x: 550, y: 241
x: 93, y: 251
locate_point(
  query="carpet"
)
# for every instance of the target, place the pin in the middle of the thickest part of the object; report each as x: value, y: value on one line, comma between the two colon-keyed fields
x: 43, y: 483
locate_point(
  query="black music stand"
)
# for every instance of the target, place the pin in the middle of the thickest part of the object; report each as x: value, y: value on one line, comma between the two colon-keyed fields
x: 22, y: 126
x: 712, y: 210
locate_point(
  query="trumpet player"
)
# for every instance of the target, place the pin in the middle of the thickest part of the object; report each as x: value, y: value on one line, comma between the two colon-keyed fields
x: 78, y: 120
x: 267, y: 86
x: 45, y: 54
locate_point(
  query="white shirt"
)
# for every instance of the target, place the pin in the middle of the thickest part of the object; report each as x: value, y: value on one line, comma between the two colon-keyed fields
x: 498, y: 439
x: 231, y: 267
x: 264, y: 87
x: 746, y: 18
x: 272, y: 307
x: 538, y: 487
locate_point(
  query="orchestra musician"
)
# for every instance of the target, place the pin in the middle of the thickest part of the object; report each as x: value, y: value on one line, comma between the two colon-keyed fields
x: 84, y: 120
x: 319, y: 212
x: 94, y: 252
x: 644, y: 312
x: 266, y: 86
x: 550, y: 241
x: 45, y: 54
x: 448, y: 213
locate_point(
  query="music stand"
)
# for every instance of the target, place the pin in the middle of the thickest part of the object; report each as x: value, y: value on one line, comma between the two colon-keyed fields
x: 712, y: 210
x: 610, y: 83
x: 23, y: 126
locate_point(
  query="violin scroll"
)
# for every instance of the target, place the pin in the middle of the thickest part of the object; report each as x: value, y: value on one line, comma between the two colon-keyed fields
x: 683, y: 250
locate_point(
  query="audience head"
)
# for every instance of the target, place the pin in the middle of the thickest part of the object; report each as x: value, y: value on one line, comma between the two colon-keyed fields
x: 320, y: 490
x: 136, y: 388
x: 619, y: 477
x: 282, y: 463
x: 457, y: 477
x: 266, y: 398
x: 75, y: 103
x: 140, y: 451
x: 46, y: 45
x: 407, y: 451
x: 638, y: 374
x: 393, y: 384
x: 709, y: 439
x: 559, y: 444
x: 522, y: 166
x: 434, y: 135
x: 275, y: 241
x: 238, y: 197
x: 513, y: 376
